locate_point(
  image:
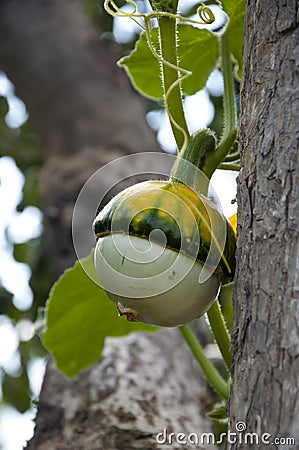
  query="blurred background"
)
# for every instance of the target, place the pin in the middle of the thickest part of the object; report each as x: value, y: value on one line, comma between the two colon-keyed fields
x: 25, y: 278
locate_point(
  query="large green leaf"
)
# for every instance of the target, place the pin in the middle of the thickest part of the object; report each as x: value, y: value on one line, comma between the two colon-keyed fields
x: 143, y: 68
x: 79, y: 316
x: 235, y: 10
x: 198, y: 52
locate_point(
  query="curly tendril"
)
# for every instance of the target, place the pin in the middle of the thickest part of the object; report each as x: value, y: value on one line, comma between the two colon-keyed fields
x: 204, y: 12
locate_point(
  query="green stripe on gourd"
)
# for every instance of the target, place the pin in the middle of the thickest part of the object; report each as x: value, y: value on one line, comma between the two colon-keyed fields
x: 177, y: 211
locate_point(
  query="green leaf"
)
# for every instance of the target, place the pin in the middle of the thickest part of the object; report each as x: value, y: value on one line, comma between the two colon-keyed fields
x: 79, y: 316
x: 235, y: 10
x: 28, y: 252
x: 219, y: 412
x: 198, y: 52
x: 16, y: 391
x: 143, y: 68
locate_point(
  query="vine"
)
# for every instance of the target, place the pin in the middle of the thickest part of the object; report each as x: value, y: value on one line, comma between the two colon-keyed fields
x: 175, y: 72
x: 200, y: 149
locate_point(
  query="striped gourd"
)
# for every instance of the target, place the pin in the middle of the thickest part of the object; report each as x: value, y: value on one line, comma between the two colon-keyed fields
x: 153, y: 242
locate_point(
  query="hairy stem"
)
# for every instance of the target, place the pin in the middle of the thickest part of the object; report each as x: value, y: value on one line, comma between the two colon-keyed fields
x: 212, y: 374
x: 220, y: 332
x: 171, y: 80
x: 230, y: 115
x: 199, y: 144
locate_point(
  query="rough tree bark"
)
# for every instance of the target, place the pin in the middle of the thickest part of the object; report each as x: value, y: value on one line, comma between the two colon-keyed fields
x: 86, y: 114
x: 265, y: 338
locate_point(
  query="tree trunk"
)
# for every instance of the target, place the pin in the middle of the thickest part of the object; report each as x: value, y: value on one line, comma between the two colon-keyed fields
x: 137, y: 391
x: 86, y: 114
x: 265, y: 337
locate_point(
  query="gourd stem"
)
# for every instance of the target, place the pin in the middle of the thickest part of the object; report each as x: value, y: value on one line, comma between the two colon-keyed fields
x: 198, y: 145
x: 220, y: 332
x: 212, y: 374
x: 171, y: 83
x: 229, y: 111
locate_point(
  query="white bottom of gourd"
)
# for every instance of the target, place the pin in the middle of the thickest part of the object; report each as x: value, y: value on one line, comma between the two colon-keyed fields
x: 152, y: 283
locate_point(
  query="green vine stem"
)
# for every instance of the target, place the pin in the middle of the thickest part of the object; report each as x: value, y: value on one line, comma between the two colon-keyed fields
x: 171, y: 80
x: 227, y: 166
x: 212, y: 374
x: 199, y: 149
x: 232, y: 157
x: 220, y: 332
x: 230, y: 115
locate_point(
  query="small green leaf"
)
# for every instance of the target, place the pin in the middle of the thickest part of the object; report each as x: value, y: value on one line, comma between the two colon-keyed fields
x: 235, y: 10
x: 143, y: 68
x: 79, y: 316
x: 198, y: 52
x: 219, y: 412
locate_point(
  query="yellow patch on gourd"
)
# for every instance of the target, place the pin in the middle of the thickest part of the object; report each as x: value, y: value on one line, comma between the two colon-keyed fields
x: 233, y: 221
